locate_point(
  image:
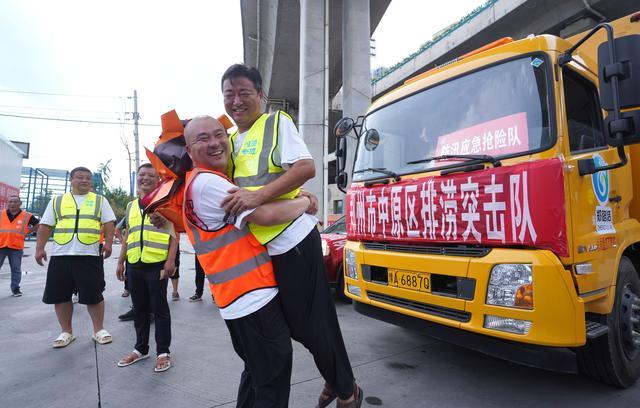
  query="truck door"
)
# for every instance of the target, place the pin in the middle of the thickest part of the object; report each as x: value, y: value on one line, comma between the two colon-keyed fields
x: 596, y: 201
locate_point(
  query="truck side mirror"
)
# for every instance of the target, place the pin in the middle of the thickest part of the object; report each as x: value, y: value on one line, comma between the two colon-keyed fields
x: 626, y: 68
x: 341, y: 130
x: 341, y: 153
x: 341, y: 181
x: 341, y: 164
x: 343, y: 127
x: 628, y: 125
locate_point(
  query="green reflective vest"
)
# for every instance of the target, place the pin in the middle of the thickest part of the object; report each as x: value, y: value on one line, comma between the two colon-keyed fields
x: 84, y: 222
x: 144, y: 242
x: 253, y: 167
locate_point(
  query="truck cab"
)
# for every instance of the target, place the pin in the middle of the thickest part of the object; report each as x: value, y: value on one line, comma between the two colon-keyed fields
x: 492, y: 203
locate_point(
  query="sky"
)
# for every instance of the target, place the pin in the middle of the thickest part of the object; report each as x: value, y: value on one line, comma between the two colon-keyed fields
x: 92, y: 55
x: 407, y: 24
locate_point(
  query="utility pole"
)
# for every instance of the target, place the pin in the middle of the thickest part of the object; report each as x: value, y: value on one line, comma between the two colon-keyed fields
x: 136, y: 116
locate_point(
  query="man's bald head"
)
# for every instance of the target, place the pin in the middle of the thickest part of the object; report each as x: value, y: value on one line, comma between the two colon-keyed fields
x: 207, y: 143
x: 192, y: 126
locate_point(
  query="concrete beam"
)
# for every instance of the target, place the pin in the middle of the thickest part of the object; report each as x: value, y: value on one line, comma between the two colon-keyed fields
x: 313, y: 119
x: 356, y: 66
x: 508, y: 18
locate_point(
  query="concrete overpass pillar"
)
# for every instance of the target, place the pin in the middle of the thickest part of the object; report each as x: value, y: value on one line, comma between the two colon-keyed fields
x: 356, y: 65
x: 313, y: 114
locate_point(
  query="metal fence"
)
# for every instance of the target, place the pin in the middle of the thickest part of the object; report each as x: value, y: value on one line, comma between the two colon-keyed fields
x: 38, y: 186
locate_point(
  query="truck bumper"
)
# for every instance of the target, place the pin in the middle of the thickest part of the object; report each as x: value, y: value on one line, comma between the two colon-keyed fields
x: 557, y: 318
x: 560, y: 359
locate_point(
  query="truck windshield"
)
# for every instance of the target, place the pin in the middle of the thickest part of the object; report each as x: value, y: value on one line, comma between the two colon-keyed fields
x: 499, y: 111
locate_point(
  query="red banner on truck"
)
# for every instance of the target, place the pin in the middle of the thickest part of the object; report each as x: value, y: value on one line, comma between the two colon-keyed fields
x: 519, y: 205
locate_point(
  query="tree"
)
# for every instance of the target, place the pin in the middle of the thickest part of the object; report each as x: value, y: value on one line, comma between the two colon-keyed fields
x: 118, y: 198
x: 105, y: 170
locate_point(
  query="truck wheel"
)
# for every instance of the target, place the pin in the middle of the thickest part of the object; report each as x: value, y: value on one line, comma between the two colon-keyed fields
x: 614, y: 358
x: 340, y: 287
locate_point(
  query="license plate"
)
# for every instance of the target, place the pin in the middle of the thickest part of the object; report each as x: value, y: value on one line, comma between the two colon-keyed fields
x: 410, y: 280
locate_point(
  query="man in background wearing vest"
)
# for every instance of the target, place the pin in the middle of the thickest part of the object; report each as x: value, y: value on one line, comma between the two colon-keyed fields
x: 238, y: 268
x: 270, y: 161
x: 15, y: 225
x: 75, y: 218
x: 150, y: 254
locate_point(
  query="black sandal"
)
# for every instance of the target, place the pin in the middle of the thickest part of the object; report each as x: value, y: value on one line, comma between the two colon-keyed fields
x: 326, y: 396
x: 357, y: 401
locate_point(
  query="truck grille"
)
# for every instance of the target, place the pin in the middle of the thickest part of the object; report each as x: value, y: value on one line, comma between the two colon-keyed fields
x: 439, y: 311
x: 453, y: 250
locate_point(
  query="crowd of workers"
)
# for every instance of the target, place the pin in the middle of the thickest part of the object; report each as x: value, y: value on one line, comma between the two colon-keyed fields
x: 254, y: 234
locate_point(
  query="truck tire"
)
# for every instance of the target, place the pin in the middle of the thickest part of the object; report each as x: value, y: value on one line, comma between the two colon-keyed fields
x: 614, y: 358
x: 340, y: 287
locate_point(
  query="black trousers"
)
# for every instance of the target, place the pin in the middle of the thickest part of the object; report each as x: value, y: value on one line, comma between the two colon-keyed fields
x: 263, y: 342
x: 199, y: 279
x: 149, y: 295
x: 310, y: 312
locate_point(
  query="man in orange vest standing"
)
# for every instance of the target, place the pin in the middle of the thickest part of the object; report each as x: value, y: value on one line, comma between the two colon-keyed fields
x: 238, y: 268
x: 15, y: 225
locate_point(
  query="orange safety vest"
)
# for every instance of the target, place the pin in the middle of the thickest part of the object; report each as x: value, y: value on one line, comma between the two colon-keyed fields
x: 12, y: 233
x: 233, y: 260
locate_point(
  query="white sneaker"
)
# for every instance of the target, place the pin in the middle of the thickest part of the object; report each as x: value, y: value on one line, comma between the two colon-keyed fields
x: 74, y: 298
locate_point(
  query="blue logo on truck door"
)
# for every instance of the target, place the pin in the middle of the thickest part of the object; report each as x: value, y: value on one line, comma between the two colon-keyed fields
x: 600, y: 181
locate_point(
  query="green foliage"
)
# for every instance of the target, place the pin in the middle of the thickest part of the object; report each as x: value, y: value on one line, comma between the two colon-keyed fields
x: 105, y: 170
x: 118, y: 198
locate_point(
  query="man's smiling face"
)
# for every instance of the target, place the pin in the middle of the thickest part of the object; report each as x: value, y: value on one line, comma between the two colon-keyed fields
x: 207, y: 143
x: 147, y: 180
x: 242, y: 101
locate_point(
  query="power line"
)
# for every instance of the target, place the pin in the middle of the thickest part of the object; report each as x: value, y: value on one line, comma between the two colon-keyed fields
x: 59, y: 94
x: 76, y: 120
x: 58, y: 109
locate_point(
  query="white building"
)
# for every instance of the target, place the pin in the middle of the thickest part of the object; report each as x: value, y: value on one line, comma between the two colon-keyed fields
x: 10, y: 167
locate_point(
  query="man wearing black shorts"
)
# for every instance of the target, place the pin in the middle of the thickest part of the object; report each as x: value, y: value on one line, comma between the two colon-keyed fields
x: 75, y: 218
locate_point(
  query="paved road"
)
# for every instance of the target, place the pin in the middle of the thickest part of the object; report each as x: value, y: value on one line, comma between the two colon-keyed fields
x: 395, y: 367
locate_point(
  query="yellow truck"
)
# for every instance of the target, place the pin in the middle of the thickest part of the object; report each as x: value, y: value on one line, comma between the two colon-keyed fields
x: 495, y: 202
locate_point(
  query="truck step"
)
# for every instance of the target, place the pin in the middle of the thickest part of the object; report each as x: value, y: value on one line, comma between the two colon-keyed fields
x: 595, y: 329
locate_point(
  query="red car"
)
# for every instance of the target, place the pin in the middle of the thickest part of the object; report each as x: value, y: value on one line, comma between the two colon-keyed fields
x: 333, y: 240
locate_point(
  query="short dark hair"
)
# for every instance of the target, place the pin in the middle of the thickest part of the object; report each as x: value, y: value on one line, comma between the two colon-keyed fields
x: 146, y: 166
x: 243, y: 70
x: 77, y: 169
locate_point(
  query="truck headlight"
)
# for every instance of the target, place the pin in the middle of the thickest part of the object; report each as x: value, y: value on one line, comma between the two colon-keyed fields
x: 325, y: 248
x: 511, y: 285
x: 351, y: 269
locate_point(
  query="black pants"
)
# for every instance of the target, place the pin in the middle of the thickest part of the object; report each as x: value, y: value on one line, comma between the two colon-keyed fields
x: 149, y: 295
x: 263, y: 342
x: 310, y: 312
x: 199, y: 278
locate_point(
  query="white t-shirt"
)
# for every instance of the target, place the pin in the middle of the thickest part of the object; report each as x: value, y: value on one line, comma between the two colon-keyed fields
x: 206, y: 193
x: 75, y: 247
x: 290, y: 149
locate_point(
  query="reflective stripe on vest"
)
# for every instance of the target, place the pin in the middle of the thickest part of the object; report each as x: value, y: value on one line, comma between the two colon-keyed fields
x: 253, y: 167
x: 145, y: 242
x: 12, y: 233
x: 84, y: 222
x: 233, y: 260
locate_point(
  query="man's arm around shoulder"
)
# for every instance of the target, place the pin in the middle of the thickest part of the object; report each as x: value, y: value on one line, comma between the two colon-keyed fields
x: 241, y: 199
